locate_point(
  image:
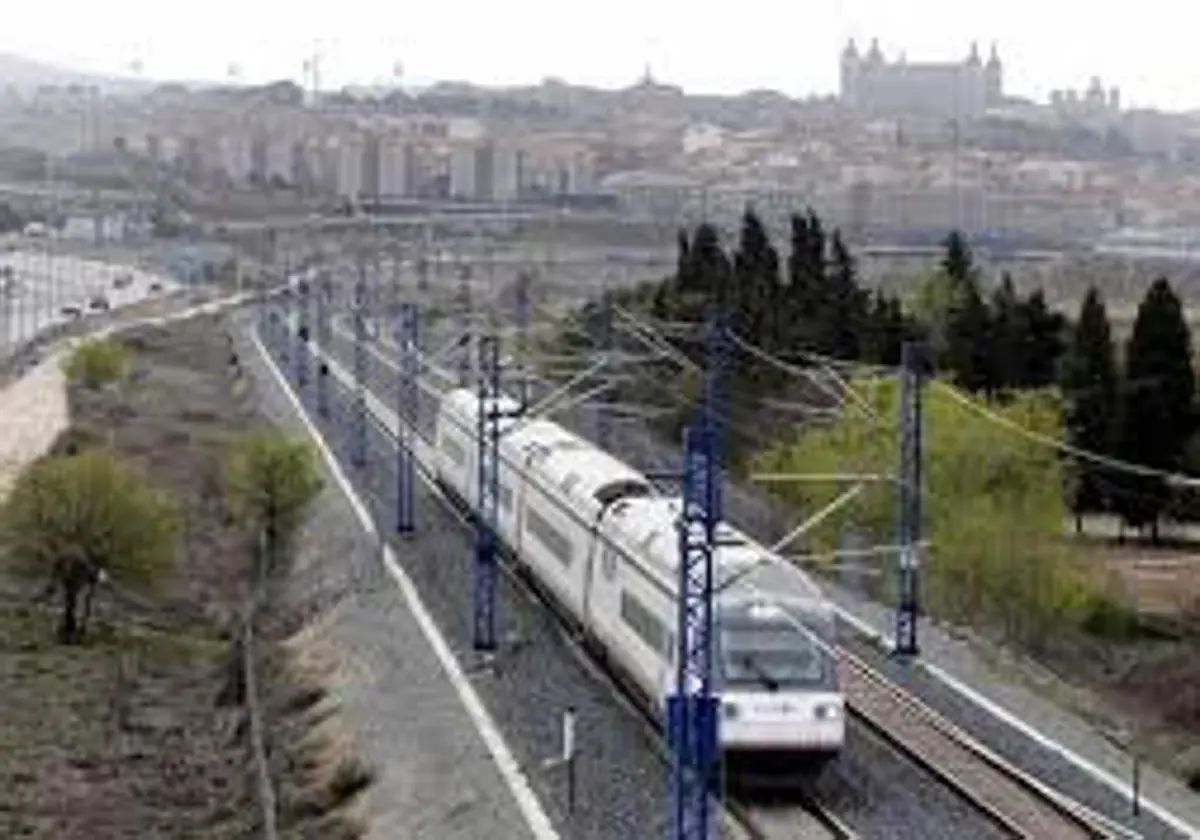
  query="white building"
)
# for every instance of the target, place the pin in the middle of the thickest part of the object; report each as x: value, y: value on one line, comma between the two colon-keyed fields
x: 398, y: 168
x: 506, y: 173
x: 463, y: 171
x: 278, y: 159
x: 350, y: 149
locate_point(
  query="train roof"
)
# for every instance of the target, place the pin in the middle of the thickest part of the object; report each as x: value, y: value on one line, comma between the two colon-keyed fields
x: 568, y: 462
x: 745, y: 571
x: 572, y: 464
x: 464, y: 403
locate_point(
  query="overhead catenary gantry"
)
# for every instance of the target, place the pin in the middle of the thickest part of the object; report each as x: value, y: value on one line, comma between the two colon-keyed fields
x: 408, y: 410
x: 692, y: 709
x: 358, y: 430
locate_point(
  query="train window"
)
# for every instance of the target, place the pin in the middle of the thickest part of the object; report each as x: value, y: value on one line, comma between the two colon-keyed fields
x: 769, y: 653
x: 610, y: 493
x: 548, y: 536
x: 648, y: 628
x: 608, y: 564
x: 456, y: 453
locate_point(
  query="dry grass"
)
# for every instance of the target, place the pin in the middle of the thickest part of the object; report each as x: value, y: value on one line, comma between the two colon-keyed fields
x: 311, y: 748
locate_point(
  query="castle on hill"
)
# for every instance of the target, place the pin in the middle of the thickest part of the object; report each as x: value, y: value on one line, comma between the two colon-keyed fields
x: 872, y: 85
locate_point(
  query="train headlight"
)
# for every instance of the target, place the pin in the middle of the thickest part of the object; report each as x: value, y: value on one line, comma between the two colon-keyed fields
x: 730, y: 711
x: 826, y: 711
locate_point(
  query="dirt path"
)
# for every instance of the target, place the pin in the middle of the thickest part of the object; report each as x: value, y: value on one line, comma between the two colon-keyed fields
x: 33, y: 413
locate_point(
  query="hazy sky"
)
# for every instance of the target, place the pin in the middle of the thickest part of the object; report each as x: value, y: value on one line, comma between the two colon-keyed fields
x: 1148, y: 48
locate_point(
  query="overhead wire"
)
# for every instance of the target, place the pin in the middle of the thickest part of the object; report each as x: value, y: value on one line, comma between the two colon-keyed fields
x: 1172, y: 478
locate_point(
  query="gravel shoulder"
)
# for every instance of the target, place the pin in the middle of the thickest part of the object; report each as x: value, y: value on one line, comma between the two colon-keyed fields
x: 435, y: 777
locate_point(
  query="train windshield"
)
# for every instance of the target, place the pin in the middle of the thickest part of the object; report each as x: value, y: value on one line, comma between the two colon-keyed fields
x: 773, y: 653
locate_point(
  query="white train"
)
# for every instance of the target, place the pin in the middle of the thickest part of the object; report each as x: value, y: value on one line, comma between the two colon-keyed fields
x: 597, y: 538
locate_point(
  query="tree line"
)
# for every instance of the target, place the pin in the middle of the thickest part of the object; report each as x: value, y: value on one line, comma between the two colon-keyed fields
x: 990, y: 342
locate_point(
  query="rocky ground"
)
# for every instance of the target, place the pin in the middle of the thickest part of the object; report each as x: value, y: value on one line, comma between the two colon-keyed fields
x: 142, y: 731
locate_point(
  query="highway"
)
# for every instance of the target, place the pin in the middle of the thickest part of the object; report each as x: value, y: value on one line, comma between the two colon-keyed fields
x: 36, y: 286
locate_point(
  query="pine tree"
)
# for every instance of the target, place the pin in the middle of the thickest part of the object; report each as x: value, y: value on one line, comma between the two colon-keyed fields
x: 844, y: 318
x: 957, y: 262
x: 967, y: 348
x: 1043, y: 341
x: 1156, y: 416
x: 756, y: 285
x: 1089, y: 383
x: 707, y: 265
x: 683, y: 261
x: 887, y: 327
x: 806, y: 272
x: 1006, y: 338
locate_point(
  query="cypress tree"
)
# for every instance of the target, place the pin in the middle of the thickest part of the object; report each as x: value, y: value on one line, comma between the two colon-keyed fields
x: 756, y: 286
x: 886, y: 329
x: 845, y: 315
x: 967, y: 348
x: 957, y: 262
x: 1043, y: 341
x: 806, y: 270
x: 1007, y: 338
x: 708, y: 267
x: 1156, y: 404
x: 1089, y: 383
x: 683, y: 262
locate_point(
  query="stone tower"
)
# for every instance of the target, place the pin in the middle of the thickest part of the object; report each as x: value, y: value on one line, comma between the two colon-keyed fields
x: 849, y: 73
x: 993, y: 79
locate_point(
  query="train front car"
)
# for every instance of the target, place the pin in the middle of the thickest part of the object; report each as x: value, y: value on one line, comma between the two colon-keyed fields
x: 781, y: 709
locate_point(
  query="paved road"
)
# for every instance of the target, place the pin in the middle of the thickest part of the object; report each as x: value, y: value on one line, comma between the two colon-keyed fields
x: 41, y: 284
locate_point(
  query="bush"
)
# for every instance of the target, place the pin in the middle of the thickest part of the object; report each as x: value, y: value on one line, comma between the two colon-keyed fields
x: 71, y: 518
x: 1105, y: 618
x: 993, y: 509
x: 270, y: 480
x: 96, y: 363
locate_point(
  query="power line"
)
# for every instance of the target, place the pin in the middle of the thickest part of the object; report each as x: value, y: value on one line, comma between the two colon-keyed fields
x: 1174, y: 479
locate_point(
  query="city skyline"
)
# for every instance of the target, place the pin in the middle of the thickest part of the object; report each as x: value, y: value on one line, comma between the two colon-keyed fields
x: 787, y: 48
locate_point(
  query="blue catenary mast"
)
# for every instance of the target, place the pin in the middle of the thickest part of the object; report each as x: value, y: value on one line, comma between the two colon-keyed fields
x: 523, y: 306
x: 408, y: 411
x: 359, y: 432
x: 303, y: 305
x: 324, y: 298
x: 464, y: 314
x: 488, y: 477
x: 692, y: 720
x: 603, y: 412
x: 912, y: 372
x: 284, y: 325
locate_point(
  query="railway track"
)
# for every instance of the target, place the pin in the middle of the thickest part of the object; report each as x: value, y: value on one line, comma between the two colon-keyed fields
x: 809, y: 821
x: 1016, y: 801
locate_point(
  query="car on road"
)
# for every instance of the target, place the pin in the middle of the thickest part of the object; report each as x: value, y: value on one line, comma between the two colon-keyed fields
x: 99, y: 303
x: 123, y: 281
x: 71, y: 311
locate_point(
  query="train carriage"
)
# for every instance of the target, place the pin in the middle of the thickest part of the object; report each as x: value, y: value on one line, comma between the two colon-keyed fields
x: 775, y: 662
x: 596, y: 537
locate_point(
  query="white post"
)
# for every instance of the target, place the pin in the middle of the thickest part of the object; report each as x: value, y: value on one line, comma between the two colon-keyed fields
x: 568, y: 756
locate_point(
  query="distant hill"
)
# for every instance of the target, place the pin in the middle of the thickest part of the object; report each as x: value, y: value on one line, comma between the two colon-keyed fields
x: 26, y: 74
